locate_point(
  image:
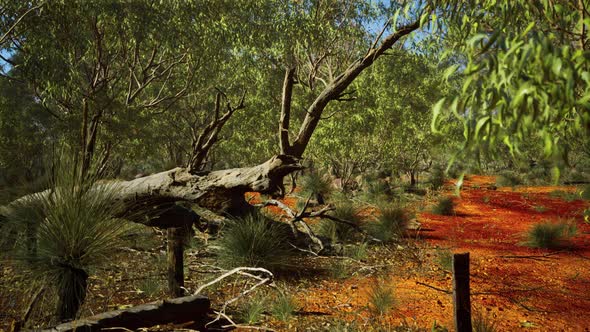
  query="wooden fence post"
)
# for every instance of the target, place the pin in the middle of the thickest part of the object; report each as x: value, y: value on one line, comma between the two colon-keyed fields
x: 461, y: 293
x: 176, y: 261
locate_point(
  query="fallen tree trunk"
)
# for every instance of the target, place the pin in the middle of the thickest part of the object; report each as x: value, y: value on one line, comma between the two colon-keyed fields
x: 221, y: 192
x: 192, y: 308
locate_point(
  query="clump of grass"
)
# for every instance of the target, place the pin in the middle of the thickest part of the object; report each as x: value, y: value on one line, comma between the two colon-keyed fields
x: 149, y: 287
x: 337, y: 231
x: 444, y: 259
x: 444, y: 207
x: 339, y: 270
x: 508, y: 179
x: 486, y: 199
x: 358, y: 252
x: 390, y: 224
x: 539, y: 208
x: 565, y: 195
x: 254, y: 241
x: 550, y: 235
x: 376, y: 190
x: 64, y: 234
x: 381, y: 298
x: 317, y: 184
x: 284, y: 306
x: 252, y: 310
x: 482, y: 323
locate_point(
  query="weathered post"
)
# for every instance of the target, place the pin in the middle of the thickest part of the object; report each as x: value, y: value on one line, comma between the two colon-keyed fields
x: 176, y: 261
x: 461, y: 293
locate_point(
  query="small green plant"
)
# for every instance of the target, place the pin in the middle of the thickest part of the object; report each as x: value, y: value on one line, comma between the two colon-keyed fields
x: 486, y: 199
x: 284, y: 306
x: 436, y: 327
x: 381, y: 298
x: 482, y: 323
x: 358, y: 252
x: 252, y: 310
x: 254, y: 241
x: 550, y: 235
x: 444, y: 207
x: 444, y: 259
x: 391, y: 223
x: 339, y: 270
x: 539, y: 208
x: 149, y: 287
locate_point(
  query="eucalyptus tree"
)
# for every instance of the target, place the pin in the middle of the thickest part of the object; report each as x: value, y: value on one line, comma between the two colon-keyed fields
x: 525, y: 75
x: 388, y: 125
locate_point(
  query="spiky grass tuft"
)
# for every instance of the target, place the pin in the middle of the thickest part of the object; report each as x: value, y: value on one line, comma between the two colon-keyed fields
x: 444, y: 207
x: 551, y: 235
x: 254, y: 241
x: 381, y: 298
x: 65, y: 231
x: 391, y: 223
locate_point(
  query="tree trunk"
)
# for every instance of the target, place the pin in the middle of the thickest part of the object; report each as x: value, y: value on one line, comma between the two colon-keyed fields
x: 71, y: 292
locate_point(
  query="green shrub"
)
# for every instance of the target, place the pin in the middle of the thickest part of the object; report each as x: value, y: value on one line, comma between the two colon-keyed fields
x: 508, y: 179
x: 539, y: 208
x: 391, y: 223
x: 284, y: 306
x: 550, y: 235
x: 444, y: 207
x: 381, y: 298
x: 254, y: 241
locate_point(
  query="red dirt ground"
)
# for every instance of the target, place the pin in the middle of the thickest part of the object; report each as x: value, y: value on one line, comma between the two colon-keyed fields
x: 511, y: 284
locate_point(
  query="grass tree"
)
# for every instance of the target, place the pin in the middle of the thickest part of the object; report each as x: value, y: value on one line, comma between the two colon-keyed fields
x: 64, y: 232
